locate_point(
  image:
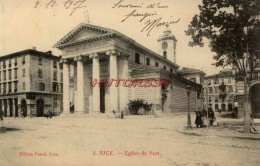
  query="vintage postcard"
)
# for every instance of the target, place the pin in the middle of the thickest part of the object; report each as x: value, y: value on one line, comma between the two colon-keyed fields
x: 129, y: 82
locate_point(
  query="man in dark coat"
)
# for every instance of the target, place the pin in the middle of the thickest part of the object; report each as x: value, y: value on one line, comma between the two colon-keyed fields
x: 211, y: 116
x: 1, y: 115
x: 198, y: 120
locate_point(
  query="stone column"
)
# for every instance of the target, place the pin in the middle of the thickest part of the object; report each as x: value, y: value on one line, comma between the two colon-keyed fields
x: 8, y: 107
x: 96, y: 88
x: 66, y: 87
x: 113, y: 69
x: 123, y: 75
x: 4, y: 107
x: 79, y: 104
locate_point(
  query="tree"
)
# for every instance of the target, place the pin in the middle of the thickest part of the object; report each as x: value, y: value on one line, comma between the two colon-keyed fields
x: 135, y: 105
x: 232, y: 28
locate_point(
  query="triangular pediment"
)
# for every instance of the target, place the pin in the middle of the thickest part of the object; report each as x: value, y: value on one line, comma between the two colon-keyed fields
x: 85, y: 34
x: 81, y: 32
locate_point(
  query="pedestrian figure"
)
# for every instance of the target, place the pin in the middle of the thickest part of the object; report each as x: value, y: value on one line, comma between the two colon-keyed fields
x: 23, y: 113
x: 114, y: 112
x: 211, y: 116
x: 204, y: 113
x: 48, y: 114
x: 122, y: 115
x: 198, y: 120
x: 252, y: 125
x: 1, y: 115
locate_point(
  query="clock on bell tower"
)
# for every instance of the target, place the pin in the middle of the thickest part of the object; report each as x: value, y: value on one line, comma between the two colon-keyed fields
x: 167, y: 45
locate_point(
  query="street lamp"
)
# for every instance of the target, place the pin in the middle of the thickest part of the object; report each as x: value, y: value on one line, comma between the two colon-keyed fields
x: 203, y: 99
x: 188, y: 87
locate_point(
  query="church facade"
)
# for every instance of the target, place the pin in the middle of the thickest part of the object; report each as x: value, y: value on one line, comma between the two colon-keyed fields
x: 91, y: 54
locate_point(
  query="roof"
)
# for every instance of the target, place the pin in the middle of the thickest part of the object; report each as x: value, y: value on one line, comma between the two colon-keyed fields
x: 222, y: 74
x: 186, y: 71
x: 29, y: 51
x: 105, y: 33
x: 152, y: 69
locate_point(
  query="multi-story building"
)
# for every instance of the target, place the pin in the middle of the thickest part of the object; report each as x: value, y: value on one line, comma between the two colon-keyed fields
x: 92, y: 53
x: 220, y: 90
x: 30, y: 83
x: 191, y: 74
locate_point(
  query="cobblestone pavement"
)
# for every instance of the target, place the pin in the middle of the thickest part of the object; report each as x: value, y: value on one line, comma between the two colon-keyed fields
x: 72, y: 140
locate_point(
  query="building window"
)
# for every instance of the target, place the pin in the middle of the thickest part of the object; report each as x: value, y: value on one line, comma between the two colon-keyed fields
x: 40, y: 60
x: 193, y: 79
x: 156, y: 64
x: 10, y: 63
x: 4, y: 64
x: 216, y: 89
x: 171, y: 70
x: 148, y: 61
x: 209, y: 82
x: 23, y: 61
x: 40, y: 73
x: 230, y: 90
x: 216, y: 81
x: 164, y: 67
x: 10, y: 74
x: 209, y: 99
x: 216, y: 98
x: 4, y: 75
x: 61, y: 77
x: 55, y: 87
x: 229, y: 80
x: 137, y: 58
x: 61, y: 87
x: 4, y: 88
x: 23, y: 72
x: 9, y: 87
x: 55, y: 75
x: 15, y: 86
x: 210, y: 90
x: 41, y: 86
x: 55, y: 64
x: 15, y: 73
x: 165, y: 54
x: 61, y: 66
x: 15, y: 62
x: 23, y: 85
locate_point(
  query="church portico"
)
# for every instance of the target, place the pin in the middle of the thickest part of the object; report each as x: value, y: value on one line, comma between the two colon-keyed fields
x: 92, y: 95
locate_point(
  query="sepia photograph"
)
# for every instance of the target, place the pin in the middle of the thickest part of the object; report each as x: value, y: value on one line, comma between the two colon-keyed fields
x: 129, y: 82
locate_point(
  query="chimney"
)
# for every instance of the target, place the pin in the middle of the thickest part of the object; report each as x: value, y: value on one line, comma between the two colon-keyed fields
x: 33, y: 48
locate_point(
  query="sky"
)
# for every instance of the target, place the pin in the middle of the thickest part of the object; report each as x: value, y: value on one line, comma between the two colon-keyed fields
x: 42, y: 23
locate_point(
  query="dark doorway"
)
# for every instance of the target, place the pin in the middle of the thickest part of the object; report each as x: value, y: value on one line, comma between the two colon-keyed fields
x: 216, y: 107
x: 16, y: 107
x: 230, y: 107
x: 11, y: 107
x: 255, y: 103
x: 40, y: 107
x: 102, y: 97
x: 223, y: 107
x: 24, y: 108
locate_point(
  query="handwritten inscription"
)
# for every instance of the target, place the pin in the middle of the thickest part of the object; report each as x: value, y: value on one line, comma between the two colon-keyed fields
x: 72, y: 5
x: 150, y: 18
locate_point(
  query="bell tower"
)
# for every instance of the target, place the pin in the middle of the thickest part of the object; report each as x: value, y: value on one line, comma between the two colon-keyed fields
x: 167, y: 44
